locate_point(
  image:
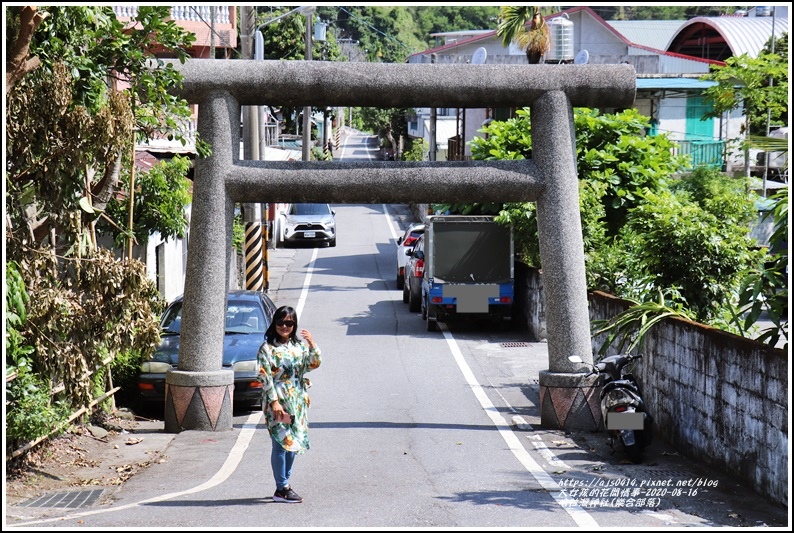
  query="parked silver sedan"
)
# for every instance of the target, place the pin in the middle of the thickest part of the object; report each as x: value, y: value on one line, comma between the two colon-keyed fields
x: 414, y: 272
x: 404, y: 245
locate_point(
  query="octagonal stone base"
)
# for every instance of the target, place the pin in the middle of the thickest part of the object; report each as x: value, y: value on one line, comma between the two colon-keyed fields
x: 198, y: 400
x: 569, y: 401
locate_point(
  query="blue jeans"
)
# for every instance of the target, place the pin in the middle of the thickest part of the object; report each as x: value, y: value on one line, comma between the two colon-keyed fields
x: 281, y: 460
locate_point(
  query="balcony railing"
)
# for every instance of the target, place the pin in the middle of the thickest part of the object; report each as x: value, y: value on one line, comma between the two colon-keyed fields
x: 184, y: 13
x: 162, y: 144
x: 703, y: 153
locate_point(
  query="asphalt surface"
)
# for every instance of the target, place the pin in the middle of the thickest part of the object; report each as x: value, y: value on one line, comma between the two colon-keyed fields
x: 199, y: 461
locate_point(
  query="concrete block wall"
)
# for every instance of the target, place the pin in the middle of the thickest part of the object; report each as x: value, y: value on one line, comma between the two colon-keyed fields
x: 718, y: 398
x: 724, y: 398
x: 528, y: 310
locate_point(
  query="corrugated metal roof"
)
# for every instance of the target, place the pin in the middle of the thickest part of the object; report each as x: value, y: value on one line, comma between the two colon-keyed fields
x: 460, y: 33
x: 743, y: 35
x: 651, y: 33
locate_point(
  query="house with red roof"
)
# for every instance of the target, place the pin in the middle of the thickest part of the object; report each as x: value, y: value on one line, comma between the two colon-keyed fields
x: 668, y: 56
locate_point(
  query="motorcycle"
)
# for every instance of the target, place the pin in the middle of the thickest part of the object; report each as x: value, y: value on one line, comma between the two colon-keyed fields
x: 622, y: 407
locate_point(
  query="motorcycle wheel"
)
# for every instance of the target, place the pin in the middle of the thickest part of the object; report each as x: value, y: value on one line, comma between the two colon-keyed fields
x: 634, y: 452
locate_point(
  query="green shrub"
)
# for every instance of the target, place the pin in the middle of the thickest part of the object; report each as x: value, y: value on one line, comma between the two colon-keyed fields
x: 17, y: 350
x: 124, y: 369
x: 681, y: 245
x: 724, y: 197
x: 31, y: 413
x: 416, y: 150
x: 764, y: 286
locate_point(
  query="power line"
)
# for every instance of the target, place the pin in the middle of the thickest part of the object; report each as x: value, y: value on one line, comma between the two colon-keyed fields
x: 374, y: 28
x: 208, y: 24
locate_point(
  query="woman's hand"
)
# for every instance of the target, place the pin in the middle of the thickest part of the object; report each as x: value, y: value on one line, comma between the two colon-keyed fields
x: 279, y: 414
x: 308, y: 336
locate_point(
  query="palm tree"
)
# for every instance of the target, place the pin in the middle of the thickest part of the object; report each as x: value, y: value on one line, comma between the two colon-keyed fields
x: 512, y: 27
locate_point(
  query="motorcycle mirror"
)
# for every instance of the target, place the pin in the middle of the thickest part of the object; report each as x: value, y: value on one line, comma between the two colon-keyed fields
x: 575, y: 359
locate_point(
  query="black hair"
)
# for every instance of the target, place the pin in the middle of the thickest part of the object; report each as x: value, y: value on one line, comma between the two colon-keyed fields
x: 282, y: 313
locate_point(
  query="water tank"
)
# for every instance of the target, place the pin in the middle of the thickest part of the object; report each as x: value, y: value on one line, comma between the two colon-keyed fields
x: 561, y: 36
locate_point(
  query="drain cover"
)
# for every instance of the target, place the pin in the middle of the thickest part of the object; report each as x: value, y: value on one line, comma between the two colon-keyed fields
x: 514, y: 345
x: 69, y: 500
x: 664, y: 473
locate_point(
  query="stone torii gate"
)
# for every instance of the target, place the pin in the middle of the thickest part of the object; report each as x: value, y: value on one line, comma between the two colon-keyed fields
x: 199, y: 391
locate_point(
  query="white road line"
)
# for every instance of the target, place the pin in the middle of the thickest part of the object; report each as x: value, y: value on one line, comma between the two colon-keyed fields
x: 305, y: 291
x: 344, y: 147
x: 367, y: 149
x: 236, y: 454
x: 389, y: 222
x: 547, y: 454
x: 579, y: 515
x: 360, y: 136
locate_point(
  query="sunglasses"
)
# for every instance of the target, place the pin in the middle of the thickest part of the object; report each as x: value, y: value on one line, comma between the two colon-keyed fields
x: 287, y: 323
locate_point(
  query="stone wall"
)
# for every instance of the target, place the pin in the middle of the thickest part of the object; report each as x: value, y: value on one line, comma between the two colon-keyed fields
x: 718, y: 398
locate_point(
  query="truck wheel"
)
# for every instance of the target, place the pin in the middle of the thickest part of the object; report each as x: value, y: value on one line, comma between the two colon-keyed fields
x: 432, y: 324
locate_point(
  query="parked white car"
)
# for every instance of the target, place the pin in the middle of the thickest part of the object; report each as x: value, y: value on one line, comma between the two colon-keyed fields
x: 309, y: 224
x: 404, y: 244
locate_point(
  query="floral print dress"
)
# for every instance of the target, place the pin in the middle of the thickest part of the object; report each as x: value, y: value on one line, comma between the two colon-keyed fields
x: 281, y: 372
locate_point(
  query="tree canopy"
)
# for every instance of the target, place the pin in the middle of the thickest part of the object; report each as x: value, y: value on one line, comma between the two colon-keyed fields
x: 650, y: 226
x: 759, y: 83
x: 83, y: 92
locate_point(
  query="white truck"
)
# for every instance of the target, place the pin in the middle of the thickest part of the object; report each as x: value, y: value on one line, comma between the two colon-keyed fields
x: 468, y: 269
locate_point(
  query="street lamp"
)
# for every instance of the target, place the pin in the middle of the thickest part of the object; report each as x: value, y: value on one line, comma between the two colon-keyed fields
x: 255, y: 146
x: 259, y: 39
x: 259, y: 53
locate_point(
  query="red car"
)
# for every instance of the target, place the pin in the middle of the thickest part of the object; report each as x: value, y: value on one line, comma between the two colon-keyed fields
x: 414, y: 272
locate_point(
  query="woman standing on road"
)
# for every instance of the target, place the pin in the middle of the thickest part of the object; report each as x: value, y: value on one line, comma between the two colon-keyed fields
x: 283, y: 359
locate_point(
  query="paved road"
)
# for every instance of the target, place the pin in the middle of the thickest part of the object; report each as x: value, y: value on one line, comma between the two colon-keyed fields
x: 410, y: 429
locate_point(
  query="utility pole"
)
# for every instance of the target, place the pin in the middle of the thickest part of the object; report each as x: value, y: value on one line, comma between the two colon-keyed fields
x: 255, y: 263
x: 432, y: 154
x: 769, y: 111
x: 250, y: 125
x: 268, y: 209
x: 213, y: 11
x: 307, y: 111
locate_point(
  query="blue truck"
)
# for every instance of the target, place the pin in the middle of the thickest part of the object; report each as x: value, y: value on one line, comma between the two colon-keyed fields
x: 468, y: 269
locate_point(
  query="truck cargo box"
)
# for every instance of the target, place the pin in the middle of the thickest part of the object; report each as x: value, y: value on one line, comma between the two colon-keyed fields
x: 468, y: 269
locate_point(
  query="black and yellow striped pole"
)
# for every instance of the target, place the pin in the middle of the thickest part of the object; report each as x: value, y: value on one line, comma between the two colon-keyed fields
x: 254, y: 247
x: 265, y: 245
